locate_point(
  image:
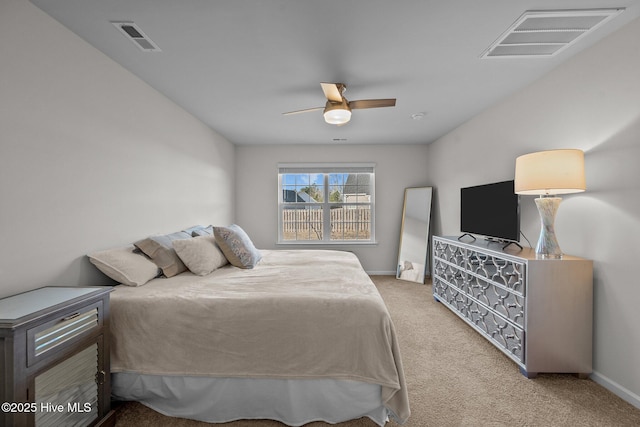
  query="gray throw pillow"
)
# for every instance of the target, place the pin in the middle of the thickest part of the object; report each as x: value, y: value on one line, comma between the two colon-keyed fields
x: 160, y: 249
x: 237, y: 246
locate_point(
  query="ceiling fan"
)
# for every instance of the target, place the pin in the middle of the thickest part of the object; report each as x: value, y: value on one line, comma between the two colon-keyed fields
x: 337, y: 110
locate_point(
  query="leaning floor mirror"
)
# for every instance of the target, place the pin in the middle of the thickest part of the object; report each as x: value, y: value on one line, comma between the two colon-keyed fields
x: 413, y: 253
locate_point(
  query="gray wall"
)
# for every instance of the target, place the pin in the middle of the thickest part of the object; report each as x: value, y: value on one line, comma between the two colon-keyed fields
x: 397, y: 166
x: 91, y: 157
x: 592, y: 102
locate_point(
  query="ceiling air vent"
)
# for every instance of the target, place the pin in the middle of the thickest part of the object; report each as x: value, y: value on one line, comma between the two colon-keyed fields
x: 135, y: 34
x: 545, y: 33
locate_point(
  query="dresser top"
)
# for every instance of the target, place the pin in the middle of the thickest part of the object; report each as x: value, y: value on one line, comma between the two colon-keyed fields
x: 29, y: 303
x: 497, y: 248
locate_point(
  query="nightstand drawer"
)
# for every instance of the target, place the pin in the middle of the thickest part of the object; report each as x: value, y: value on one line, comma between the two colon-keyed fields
x: 68, y: 327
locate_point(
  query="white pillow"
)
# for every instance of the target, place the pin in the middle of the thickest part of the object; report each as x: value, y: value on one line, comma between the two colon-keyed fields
x: 125, y: 266
x: 200, y: 254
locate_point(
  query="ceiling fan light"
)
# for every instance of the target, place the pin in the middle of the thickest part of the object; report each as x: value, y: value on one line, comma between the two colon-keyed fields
x: 337, y: 114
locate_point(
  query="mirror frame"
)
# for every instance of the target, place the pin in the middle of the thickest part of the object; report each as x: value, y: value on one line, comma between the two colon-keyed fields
x: 423, y: 269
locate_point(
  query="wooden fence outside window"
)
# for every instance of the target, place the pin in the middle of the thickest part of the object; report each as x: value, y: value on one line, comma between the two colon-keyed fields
x: 347, y: 223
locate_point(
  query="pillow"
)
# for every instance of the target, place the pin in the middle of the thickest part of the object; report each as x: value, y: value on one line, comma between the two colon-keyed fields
x: 193, y: 229
x: 125, y: 265
x: 200, y: 254
x: 204, y: 231
x: 237, y: 246
x: 160, y: 249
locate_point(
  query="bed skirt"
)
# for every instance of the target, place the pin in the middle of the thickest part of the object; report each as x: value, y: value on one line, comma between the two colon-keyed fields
x: 218, y: 400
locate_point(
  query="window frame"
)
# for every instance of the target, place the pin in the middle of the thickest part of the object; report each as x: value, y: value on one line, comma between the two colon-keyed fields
x: 326, y: 169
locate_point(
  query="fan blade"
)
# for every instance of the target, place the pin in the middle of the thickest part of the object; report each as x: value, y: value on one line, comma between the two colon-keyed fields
x: 303, y: 111
x: 332, y: 91
x: 372, y: 103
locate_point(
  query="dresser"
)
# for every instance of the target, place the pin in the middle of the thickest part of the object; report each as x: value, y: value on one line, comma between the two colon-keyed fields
x: 539, y: 312
x: 54, y: 357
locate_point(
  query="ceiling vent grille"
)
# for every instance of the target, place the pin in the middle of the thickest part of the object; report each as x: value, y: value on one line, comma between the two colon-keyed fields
x: 135, y: 34
x: 545, y: 33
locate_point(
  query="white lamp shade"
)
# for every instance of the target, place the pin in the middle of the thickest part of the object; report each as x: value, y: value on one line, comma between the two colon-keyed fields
x: 337, y: 113
x: 337, y: 117
x: 550, y: 172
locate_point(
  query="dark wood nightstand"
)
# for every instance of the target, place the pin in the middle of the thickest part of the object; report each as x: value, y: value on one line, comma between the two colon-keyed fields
x: 54, y: 357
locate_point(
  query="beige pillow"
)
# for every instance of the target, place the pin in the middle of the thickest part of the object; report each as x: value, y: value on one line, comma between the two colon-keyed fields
x: 125, y: 265
x: 160, y: 249
x: 200, y: 254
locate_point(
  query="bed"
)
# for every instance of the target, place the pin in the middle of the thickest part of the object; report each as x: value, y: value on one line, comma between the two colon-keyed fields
x: 303, y: 336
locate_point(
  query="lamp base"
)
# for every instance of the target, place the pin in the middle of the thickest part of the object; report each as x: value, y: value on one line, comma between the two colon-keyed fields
x: 548, y: 247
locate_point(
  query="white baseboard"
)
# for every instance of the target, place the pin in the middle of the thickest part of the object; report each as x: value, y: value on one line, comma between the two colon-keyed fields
x: 381, y: 273
x: 616, y: 388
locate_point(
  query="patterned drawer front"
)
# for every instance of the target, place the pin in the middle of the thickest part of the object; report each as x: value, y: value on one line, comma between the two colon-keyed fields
x: 499, y: 331
x: 439, y: 287
x: 452, y: 296
x: 510, y: 274
x: 448, y: 252
x: 504, y: 302
x: 451, y: 274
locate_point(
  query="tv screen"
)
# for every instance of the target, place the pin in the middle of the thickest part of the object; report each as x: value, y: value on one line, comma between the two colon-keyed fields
x: 491, y: 210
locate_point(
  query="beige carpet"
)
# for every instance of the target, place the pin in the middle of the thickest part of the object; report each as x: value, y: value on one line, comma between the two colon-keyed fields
x: 456, y: 378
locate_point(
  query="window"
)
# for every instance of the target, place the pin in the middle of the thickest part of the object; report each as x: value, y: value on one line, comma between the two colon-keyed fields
x: 330, y: 203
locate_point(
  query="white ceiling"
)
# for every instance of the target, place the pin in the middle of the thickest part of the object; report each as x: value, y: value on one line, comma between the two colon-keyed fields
x: 239, y: 64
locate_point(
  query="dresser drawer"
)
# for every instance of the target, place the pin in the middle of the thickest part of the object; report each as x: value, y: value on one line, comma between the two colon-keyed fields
x: 451, y: 296
x: 503, y: 334
x: 448, y: 252
x: 451, y: 274
x: 506, y: 303
x: 504, y: 272
x: 66, y: 328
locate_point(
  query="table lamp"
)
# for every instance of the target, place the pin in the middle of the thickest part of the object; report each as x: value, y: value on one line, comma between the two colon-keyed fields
x: 547, y: 174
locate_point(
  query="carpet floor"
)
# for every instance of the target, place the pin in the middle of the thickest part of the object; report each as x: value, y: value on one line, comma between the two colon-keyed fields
x: 455, y: 378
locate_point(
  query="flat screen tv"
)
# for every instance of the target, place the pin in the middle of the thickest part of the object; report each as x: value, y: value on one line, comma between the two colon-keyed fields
x: 491, y: 210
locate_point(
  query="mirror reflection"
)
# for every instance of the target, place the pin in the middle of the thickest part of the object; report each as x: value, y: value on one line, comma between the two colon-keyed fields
x: 414, y: 235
